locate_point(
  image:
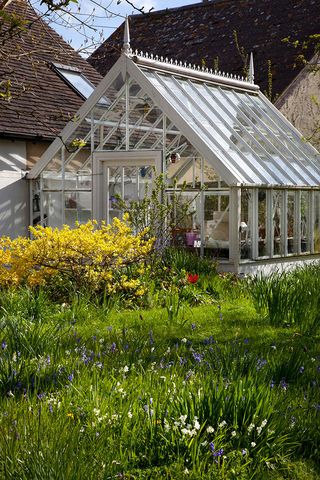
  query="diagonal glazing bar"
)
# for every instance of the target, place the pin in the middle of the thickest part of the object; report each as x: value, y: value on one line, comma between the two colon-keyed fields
x: 104, y: 117
x: 285, y: 131
x: 269, y: 171
x: 237, y: 159
x: 136, y: 126
x: 262, y: 171
x: 209, y: 139
x: 146, y: 135
x: 277, y: 141
x: 279, y: 173
x: 288, y: 172
x: 288, y: 127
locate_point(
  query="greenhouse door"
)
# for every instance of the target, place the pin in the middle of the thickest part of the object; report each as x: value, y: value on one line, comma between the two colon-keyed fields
x: 125, y: 175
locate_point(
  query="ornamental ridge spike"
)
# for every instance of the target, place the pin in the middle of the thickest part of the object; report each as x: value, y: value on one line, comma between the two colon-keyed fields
x: 251, y: 69
x: 126, y: 37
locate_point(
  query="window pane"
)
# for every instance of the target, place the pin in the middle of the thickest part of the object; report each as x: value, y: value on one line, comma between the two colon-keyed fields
x: 316, y: 227
x: 305, y: 227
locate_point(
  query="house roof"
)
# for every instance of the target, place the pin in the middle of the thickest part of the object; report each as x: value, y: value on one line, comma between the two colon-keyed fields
x: 227, y: 120
x: 42, y: 102
x: 205, y: 31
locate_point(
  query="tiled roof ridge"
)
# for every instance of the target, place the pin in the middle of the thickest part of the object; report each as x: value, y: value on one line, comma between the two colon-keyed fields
x: 202, y: 72
x: 169, y: 10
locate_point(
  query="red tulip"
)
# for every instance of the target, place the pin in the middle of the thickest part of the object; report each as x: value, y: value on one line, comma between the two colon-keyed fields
x: 192, y: 278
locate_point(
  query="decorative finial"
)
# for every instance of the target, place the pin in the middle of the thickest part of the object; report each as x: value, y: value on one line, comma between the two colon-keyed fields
x: 126, y: 39
x: 251, y: 69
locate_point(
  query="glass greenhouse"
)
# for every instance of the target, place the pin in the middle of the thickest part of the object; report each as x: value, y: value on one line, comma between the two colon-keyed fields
x: 250, y: 182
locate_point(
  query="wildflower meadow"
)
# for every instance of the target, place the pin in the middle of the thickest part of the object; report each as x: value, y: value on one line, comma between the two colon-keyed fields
x: 115, y: 364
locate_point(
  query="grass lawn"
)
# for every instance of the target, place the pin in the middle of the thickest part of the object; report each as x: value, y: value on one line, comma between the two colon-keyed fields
x: 216, y: 392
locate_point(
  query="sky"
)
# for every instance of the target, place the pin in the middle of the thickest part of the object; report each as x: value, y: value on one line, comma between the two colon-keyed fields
x: 102, y: 21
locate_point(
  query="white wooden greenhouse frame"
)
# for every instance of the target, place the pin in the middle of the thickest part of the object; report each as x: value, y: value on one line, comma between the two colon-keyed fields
x: 251, y: 183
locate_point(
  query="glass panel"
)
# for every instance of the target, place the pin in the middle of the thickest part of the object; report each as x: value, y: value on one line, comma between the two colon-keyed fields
x: 263, y: 250
x: 77, y: 207
x: 316, y: 227
x: 52, y: 209
x: 245, y: 243
x: 131, y: 184
x: 114, y: 190
x: 305, y: 227
x: 216, y: 224
x: 277, y: 211
x: 145, y: 121
x: 186, y: 219
x: 51, y: 180
x: 291, y: 241
x: 184, y: 171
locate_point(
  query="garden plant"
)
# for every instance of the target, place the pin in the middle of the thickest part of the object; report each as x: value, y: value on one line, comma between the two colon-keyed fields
x: 115, y: 363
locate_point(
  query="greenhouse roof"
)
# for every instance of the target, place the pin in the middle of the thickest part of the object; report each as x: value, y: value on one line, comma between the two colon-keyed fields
x: 226, y: 118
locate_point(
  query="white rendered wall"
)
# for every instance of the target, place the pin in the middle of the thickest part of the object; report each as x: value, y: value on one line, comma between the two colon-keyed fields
x: 14, y: 192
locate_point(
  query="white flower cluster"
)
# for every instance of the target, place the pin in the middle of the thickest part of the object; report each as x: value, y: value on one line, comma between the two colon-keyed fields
x: 187, y: 429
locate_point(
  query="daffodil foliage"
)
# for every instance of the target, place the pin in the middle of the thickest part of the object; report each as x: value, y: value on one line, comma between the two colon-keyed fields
x: 89, y: 255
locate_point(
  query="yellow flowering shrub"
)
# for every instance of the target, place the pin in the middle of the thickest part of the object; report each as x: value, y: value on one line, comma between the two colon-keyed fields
x: 89, y: 256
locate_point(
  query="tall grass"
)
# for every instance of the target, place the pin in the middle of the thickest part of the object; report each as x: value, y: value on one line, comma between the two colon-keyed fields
x: 289, y: 298
x: 87, y: 392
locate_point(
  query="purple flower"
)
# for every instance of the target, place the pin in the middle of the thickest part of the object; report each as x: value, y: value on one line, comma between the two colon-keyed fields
x: 113, y: 347
x: 4, y: 345
x: 70, y: 377
x: 197, y: 357
x: 283, y: 384
x: 301, y: 369
x: 193, y: 326
x: 244, y: 451
x: 261, y: 363
x: 215, y: 453
x: 272, y: 383
x: 218, y: 453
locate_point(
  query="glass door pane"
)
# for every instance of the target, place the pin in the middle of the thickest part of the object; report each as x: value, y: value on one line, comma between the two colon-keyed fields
x: 125, y: 185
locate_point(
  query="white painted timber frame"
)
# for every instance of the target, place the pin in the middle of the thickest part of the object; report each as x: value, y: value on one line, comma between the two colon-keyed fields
x: 118, y: 68
x: 104, y: 159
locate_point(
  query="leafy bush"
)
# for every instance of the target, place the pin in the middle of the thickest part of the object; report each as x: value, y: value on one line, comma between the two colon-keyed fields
x: 85, y: 257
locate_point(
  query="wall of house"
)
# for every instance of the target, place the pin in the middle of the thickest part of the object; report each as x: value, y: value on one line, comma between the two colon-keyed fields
x: 300, y: 103
x: 14, y: 192
x: 34, y: 152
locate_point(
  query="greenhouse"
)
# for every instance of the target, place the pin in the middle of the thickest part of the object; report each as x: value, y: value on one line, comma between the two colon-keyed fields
x: 249, y: 181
